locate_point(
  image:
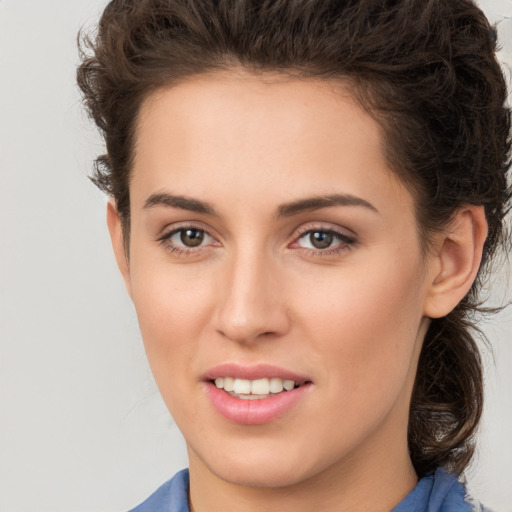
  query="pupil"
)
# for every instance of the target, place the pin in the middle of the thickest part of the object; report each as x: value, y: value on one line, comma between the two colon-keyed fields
x: 321, y: 240
x: 192, y: 237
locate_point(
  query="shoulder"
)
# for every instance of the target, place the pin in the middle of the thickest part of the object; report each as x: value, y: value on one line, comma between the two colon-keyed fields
x: 172, y: 496
x: 439, y: 492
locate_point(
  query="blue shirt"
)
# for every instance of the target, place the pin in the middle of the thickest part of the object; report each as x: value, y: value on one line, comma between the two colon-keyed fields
x: 437, y: 492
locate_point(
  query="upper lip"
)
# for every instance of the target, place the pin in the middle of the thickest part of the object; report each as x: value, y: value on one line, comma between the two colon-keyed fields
x: 253, y: 372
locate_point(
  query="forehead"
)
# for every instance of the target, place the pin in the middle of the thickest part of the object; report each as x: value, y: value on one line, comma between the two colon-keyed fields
x: 271, y: 133
x: 247, y: 105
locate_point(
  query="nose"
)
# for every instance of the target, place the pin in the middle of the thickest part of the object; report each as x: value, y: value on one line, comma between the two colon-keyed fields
x: 250, y: 302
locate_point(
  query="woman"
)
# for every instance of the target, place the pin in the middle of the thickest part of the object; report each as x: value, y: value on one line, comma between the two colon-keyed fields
x: 305, y: 196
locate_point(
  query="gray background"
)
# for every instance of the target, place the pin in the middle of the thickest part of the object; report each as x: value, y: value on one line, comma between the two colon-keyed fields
x: 82, y: 427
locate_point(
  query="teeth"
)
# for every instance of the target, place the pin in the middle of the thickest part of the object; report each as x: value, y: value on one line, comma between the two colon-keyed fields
x: 256, y: 387
x: 242, y: 387
x: 288, y: 384
x: 276, y: 385
x: 260, y: 387
x: 228, y: 383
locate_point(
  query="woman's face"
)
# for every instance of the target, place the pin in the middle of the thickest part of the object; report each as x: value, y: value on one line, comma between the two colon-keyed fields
x: 272, y: 246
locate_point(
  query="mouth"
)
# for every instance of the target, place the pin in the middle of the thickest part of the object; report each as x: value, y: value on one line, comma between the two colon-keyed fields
x: 257, y: 389
x: 255, y: 395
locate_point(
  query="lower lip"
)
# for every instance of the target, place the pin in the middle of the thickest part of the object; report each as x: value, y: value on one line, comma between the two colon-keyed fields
x: 254, y: 412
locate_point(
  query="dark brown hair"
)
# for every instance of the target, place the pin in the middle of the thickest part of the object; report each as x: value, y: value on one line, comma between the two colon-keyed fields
x: 425, y: 69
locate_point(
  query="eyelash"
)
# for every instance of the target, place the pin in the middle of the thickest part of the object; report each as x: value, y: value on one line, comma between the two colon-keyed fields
x: 345, y: 242
x: 165, y: 241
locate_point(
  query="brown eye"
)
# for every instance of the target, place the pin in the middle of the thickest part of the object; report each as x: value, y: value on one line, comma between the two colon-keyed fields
x: 324, y: 241
x: 187, y: 240
x: 321, y: 239
x: 191, y: 237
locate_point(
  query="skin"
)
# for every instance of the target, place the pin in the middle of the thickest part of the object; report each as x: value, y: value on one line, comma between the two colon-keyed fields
x: 352, y: 317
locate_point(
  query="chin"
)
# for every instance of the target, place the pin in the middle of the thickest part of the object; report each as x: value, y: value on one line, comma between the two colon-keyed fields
x: 272, y: 475
x: 269, y: 467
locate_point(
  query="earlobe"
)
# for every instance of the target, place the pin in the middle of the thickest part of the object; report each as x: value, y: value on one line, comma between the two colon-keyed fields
x: 457, y: 256
x: 117, y: 237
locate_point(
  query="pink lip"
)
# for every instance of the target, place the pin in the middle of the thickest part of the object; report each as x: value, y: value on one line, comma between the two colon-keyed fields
x: 253, y: 372
x: 254, y: 412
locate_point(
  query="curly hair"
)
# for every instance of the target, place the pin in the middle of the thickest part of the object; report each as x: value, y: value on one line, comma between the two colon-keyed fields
x: 426, y: 71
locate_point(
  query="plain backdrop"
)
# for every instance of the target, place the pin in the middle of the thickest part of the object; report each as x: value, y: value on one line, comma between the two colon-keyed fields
x: 82, y: 427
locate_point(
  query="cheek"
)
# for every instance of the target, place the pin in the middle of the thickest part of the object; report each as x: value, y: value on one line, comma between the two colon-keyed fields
x: 171, y: 313
x: 365, y: 325
x: 173, y: 306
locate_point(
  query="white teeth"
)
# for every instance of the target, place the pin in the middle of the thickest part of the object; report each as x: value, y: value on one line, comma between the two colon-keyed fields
x: 288, y: 384
x: 254, y: 388
x: 276, y: 385
x: 260, y: 387
x: 242, y: 387
x: 228, y: 383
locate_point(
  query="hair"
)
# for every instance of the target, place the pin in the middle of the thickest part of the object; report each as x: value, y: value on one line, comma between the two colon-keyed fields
x: 425, y: 69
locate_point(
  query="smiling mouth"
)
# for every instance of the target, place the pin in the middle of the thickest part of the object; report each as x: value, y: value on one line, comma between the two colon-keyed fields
x: 257, y: 389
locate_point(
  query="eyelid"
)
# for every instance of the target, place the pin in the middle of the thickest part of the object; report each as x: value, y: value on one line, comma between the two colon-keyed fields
x: 347, y: 239
x: 164, y: 238
x: 175, y: 227
x: 324, y: 227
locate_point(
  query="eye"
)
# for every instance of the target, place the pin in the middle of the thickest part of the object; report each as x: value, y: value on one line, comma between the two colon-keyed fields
x: 186, y: 239
x: 189, y: 237
x: 325, y: 241
x: 318, y: 239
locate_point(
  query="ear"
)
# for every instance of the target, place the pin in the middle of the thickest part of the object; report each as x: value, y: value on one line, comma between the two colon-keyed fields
x: 116, y: 235
x: 456, y: 260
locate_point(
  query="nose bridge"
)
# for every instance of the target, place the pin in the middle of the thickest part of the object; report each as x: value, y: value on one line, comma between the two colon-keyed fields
x: 249, y: 301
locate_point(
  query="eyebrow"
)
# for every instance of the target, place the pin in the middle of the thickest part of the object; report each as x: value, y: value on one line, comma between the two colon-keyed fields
x: 181, y: 202
x: 285, y: 210
x: 316, y: 203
